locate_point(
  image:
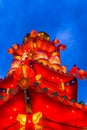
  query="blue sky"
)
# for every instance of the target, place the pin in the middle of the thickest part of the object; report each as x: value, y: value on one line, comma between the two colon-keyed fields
x: 65, y: 20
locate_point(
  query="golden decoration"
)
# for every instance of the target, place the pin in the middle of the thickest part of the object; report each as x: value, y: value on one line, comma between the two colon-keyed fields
x: 36, y: 119
x: 26, y: 38
x: 35, y: 45
x: 38, y: 76
x: 23, y: 83
x: 43, y: 35
x: 62, y: 84
x: 22, y: 119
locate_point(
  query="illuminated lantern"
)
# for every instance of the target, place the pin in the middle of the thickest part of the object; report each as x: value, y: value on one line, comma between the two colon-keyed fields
x: 38, y: 93
x: 43, y: 35
x: 82, y: 74
x: 45, y: 45
x: 62, y: 46
x: 15, y: 46
x: 11, y: 51
x: 56, y: 41
x: 19, y: 51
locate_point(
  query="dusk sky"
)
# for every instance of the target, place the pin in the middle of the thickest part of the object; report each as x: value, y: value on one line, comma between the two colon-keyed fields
x: 65, y: 20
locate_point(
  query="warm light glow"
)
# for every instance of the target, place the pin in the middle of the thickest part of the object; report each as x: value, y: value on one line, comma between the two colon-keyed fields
x: 61, y: 80
x: 7, y: 90
x: 57, y: 77
x: 47, y: 106
x: 29, y: 121
x: 52, y: 77
x: 38, y: 76
x: 35, y: 45
x: 36, y: 117
x: 24, y: 56
x: 54, y: 53
x: 38, y: 127
x: 63, y: 87
x: 12, y: 85
x: 22, y: 128
x: 22, y: 119
x: 38, y: 86
x: 17, y: 57
x: 73, y: 111
x: 15, y: 109
x: 11, y: 117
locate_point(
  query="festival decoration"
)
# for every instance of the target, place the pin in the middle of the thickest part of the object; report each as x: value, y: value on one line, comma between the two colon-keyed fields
x: 38, y: 93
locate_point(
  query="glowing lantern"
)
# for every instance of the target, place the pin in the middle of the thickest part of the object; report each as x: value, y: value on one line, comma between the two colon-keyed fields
x: 82, y: 74
x: 11, y: 51
x: 62, y: 46
x: 43, y: 35
x: 40, y: 82
x: 15, y: 46
x: 56, y: 41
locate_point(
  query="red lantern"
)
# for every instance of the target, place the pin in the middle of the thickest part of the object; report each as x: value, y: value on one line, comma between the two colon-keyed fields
x: 82, y: 74
x: 62, y: 46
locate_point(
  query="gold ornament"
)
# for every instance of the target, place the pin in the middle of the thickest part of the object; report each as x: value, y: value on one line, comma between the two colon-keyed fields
x: 43, y: 35
x: 23, y: 83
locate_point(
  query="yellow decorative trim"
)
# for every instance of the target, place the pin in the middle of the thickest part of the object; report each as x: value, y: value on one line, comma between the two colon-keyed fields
x: 36, y: 117
x: 38, y: 76
x: 62, y: 84
x: 7, y: 90
x: 35, y: 45
x: 22, y: 119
